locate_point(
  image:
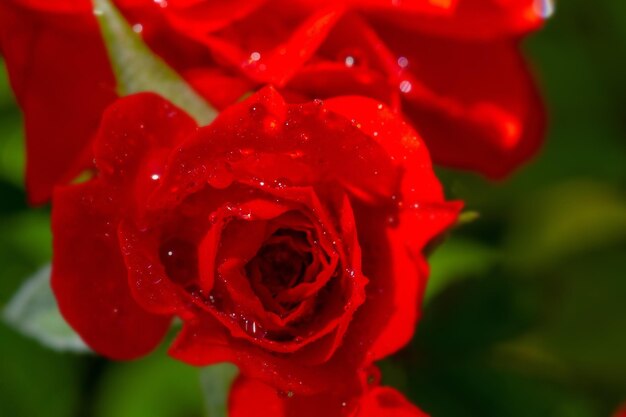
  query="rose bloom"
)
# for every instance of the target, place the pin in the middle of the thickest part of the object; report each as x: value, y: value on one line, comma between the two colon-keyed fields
x: 288, y: 239
x: 452, y: 67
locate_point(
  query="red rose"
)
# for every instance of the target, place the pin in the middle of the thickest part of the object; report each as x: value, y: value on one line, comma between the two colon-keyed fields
x: 452, y: 67
x: 287, y: 238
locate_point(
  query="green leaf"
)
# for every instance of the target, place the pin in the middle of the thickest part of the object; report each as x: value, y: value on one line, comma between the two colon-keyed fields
x: 467, y: 217
x: 138, y: 69
x: 216, y: 381
x: 458, y: 259
x: 36, y: 381
x: 33, y: 311
x: 564, y: 221
x: 153, y: 386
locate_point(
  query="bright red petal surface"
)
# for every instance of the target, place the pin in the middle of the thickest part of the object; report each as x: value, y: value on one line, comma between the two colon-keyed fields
x: 249, y: 397
x: 475, y: 103
x: 89, y: 277
x: 62, y: 79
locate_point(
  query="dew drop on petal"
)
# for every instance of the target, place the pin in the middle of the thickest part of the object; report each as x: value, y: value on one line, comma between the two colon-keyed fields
x: 285, y: 394
x: 253, y: 328
x: 405, y: 86
x: 403, y: 62
x: 254, y: 56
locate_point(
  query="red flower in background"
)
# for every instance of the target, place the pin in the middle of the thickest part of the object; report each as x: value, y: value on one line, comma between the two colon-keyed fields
x: 287, y: 238
x: 63, y: 81
x: 453, y: 67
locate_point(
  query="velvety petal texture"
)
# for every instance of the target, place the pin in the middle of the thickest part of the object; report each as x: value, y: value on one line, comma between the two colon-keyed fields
x: 287, y: 237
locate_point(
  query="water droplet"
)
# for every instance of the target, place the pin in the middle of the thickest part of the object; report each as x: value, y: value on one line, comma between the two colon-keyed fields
x: 544, y: 8
x: 285, y: 394
x: 349, y: 61
x: 403, y: 62
x: 178, y: 257
x: 162, y: 3
x: 254, y: 57
x: 155, y: 177
x: 392, y: 220
x: 270, y: 124
x: 138, y: 28
x: 405, y: 86
x: 97, y: 12
x: 253, y: 328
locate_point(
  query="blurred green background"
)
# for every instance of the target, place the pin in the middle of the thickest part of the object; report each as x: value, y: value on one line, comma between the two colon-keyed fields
x: 526, y: 309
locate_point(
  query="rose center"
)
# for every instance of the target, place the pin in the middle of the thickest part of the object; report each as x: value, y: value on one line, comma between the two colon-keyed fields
x: 282, y: 261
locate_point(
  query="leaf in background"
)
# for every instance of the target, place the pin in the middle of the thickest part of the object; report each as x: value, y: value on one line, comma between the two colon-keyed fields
x: 565, y: 220
x: 36, y: 381
x: 216, y: 381
x: 138, y: 69
x: 154, y: 386
x: 34, y: 312
x: 457, y: 259
x: 11, y: 135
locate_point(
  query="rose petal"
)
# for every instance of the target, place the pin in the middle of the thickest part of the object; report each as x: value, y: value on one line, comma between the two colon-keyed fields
x: 202, y: 342
x: 475, y: 103
x: 147, y: 277
x: 136, y: 134
x: 89, y: 277
x: 252, y: 397
x: 465, y: 19
x: 249, y: 397
x: 271, y: 53
x: 400, y: 142
x: 307, y: 135
x: 58, y: 6
x: 61, y: 110
x: 387, y: 402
